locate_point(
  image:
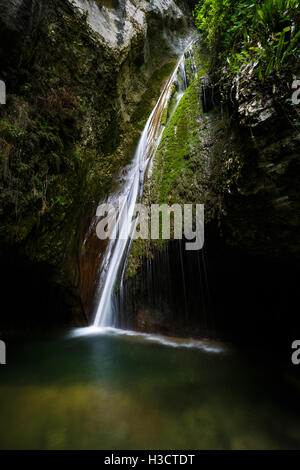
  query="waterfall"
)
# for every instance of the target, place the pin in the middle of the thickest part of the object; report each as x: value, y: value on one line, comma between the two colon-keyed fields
x: 132, y: 189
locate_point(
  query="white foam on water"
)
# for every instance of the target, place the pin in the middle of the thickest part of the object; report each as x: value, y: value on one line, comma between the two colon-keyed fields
x: 205, y: 345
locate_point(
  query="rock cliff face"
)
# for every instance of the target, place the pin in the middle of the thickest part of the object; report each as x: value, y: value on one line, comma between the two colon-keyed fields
x: 261, y: 205
x: 118, y: 22
x: 81, y: 77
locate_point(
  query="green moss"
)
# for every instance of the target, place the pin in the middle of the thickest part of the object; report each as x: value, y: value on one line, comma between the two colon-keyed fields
x: 177, y: 161
x: 56, y: 145
x: 180, y: 166
x: 42, y: 164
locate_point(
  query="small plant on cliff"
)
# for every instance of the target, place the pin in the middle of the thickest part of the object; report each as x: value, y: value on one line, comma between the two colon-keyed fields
x: 263, y: 32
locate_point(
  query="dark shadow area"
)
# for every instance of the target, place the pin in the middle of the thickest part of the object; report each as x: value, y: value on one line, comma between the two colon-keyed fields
x: 255, y: 297
x: 220, y: 292
x: 31, y: 297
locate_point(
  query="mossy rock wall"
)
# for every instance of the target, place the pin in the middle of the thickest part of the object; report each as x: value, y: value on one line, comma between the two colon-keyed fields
x: 72, y: 120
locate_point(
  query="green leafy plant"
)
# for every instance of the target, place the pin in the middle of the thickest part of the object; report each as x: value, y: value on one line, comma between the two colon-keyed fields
x: 264, y: 33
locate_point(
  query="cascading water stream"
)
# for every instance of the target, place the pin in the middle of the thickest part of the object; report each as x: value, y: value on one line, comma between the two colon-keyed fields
x: 119, y: 246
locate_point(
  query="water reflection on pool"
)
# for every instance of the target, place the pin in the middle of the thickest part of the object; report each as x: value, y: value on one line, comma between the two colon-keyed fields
x: 120, y: 391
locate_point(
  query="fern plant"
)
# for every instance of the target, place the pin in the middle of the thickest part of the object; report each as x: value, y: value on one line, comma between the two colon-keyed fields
x: 264, y: 32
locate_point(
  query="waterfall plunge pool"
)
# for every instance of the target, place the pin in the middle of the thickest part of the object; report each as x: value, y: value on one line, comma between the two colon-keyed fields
x: 124, y: 391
